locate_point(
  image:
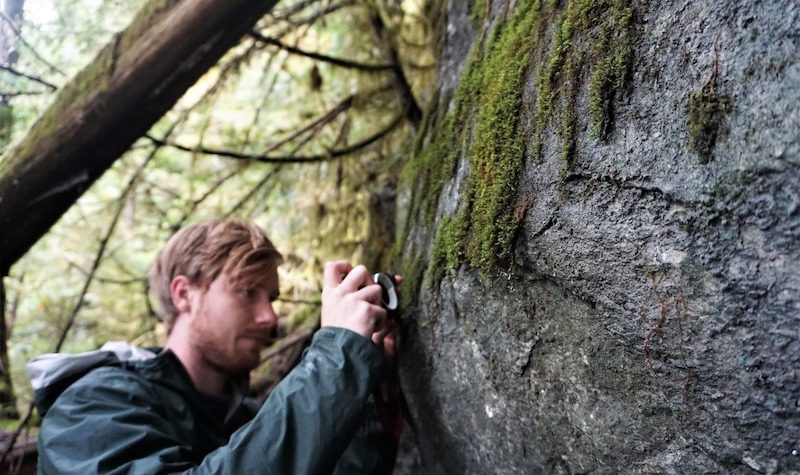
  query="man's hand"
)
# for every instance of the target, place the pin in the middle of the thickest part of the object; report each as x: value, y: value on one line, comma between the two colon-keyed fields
x: 351, y: 300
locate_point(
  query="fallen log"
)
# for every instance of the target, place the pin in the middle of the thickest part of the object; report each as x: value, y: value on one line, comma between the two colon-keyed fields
x: 112, y: 102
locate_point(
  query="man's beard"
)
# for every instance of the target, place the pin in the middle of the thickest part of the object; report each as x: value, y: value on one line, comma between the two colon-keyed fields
x: 215, y: 350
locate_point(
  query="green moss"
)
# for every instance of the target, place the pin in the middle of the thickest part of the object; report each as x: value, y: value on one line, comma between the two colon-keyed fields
x: 8, y: 424
x: 412, y: 269
x: 569, y: 115
x: 705, y: 112
x: 496, y: 153
x: 603, y: 25
x: 613, y: 47
x: 448, y: 247
x: 478, y: 10
x: 6, y: 125
x: 144, y: 20
x: 590, y: 38
x: 306, y: 316
x: 432, y: 167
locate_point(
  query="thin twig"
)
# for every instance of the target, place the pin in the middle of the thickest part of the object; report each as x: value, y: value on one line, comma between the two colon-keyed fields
x: 310, y: 19
x: 250, y: 194
x: 345, y: 63
x: 285, y: 160
x: 105, y: 280
x: 327, y: 118
x: 30, y: 77
x: 196, y: 203
x: 28, y: 45
x: 11, y: 95
x: 101, y: 251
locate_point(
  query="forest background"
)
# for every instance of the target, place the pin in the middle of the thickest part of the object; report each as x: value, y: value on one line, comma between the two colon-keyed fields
x: 595, y: 204
x: 295, y: 128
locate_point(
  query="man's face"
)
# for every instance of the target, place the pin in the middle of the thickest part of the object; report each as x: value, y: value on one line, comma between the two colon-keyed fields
x: 231, y: 325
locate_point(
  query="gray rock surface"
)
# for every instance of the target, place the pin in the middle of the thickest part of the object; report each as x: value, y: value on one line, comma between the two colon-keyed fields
x: 650, y: 322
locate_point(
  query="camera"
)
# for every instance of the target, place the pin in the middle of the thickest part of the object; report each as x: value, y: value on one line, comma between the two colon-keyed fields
x: 389, y: 299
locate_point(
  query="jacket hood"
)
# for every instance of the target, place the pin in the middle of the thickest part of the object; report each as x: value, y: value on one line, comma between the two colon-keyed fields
x: 52, y: 373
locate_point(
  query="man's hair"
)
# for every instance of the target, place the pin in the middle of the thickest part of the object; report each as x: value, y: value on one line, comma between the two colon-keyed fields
x: 203, y: 251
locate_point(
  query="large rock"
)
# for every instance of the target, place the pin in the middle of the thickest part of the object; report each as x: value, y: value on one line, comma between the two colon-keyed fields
x: 650, y: 320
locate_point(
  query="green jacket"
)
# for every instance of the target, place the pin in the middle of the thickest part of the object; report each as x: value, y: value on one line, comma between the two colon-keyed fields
x: 146, y: 417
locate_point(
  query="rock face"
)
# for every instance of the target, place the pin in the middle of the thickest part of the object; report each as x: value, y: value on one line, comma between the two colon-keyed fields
x: 649, y: 319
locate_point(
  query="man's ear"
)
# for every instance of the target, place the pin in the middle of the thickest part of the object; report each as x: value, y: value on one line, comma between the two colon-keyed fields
x: 181, y: 291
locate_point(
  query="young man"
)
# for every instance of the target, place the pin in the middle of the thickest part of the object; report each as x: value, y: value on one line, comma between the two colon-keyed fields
x: 183, y: 410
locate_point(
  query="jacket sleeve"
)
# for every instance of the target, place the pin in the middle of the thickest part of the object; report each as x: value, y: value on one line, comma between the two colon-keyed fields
x: 303, y: 428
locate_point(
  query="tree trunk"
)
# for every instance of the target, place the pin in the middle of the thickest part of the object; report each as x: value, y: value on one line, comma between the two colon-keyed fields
x: 602, y: 233
x: 8, y: 402
x: 12, y: 11
x: 132, y: 82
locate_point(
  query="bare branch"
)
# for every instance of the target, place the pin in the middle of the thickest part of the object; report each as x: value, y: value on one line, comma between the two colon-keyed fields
x: 196, y: 203
x: 13, y: 94
x: 310, y: 19
x: 30, y: 77
x: 250, y: 194
x: 105, y: 280
x: 314, y: 125
x: 412, y: 108
x: 345, y: 63
x: 286, y: 160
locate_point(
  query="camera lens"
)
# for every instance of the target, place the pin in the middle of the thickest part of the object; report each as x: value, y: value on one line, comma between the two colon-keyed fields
x: 389, y: 298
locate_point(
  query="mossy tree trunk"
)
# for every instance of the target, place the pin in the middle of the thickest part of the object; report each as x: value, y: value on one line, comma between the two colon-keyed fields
x: 132, y: 82
x: 12, y: 11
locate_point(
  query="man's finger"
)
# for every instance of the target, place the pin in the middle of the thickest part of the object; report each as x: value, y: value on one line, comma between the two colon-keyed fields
x: 389, y: 347
x: 380, y: 318
x: 358, y: 277
x: 334, y: 272
x: 370, y: 293
x: 379, y: 335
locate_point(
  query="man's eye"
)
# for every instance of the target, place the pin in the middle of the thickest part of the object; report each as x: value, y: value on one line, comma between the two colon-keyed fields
x: 248, y: 293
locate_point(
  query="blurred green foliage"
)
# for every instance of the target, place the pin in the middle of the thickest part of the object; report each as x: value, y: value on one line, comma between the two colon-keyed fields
x: 260, y: 100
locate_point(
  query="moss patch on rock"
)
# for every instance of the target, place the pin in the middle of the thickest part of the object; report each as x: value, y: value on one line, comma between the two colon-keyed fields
x: 704, y: 117
x: 477, y: 11
x: 590, y: 39
x: 448, y: 247
x: 483, y: 126
x: 496, y: 152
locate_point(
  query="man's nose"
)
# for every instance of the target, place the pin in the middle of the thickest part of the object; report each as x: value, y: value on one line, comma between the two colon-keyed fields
x: 265, y: 314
